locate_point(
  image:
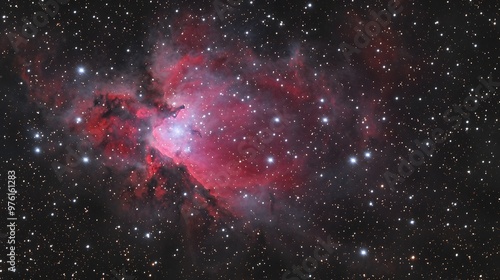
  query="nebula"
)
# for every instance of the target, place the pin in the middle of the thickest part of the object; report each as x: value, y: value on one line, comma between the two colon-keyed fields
x: 225, y: 140
x: 231, y: 120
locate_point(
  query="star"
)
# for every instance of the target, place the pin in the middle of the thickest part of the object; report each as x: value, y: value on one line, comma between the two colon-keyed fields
x: 122, y: 275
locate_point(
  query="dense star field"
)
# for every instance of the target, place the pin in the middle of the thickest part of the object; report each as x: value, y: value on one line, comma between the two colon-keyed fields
x: 240, y: 139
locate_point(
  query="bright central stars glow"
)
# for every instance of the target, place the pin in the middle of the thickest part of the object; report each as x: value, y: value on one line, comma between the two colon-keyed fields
x: 177, y: 131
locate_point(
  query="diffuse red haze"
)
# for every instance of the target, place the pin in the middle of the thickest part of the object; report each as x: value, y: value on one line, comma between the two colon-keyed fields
x: 234, y: 121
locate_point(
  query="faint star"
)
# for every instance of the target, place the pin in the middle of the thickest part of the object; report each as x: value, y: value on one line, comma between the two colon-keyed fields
x: 122, y: 275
